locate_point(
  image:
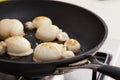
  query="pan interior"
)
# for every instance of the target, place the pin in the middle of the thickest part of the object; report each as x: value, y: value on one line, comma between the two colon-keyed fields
x: 76, y: 21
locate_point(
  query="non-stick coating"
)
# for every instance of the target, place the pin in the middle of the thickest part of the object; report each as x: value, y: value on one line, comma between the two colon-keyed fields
x: 78, y: 22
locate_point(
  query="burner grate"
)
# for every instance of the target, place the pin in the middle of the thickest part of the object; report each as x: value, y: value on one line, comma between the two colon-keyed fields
x: 104, y: 58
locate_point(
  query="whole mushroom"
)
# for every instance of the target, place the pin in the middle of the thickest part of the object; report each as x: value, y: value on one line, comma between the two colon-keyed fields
x: 41, y: 21
x: 29, y: 25
x: 47, y: 33
x: 67, y: 54
x: 11, y: 27
x: 48, y: 51
x: 18, y: 46
x: 62, y: 36
x: 72, y: 45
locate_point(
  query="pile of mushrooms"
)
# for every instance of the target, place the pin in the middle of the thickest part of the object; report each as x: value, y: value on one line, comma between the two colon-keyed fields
x: 14, y: 43
x: 12, y: 32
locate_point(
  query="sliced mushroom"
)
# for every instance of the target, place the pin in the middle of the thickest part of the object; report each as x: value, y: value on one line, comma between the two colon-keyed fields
x: 72, y: 45
x: 11, y: 27
x: 47, y: 33
x: 41, y: 21
x: 18, y: 46
x: 3, y: 47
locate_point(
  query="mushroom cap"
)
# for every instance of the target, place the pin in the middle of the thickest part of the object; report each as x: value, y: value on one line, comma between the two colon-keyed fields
x: 72, y: 45
x: 48, y: 51
x: 11, y: 27
x: 47, y: 33
x: 41, y: 21
x: 62, y: 36
x: 29, y: 25
x: 18, y: 46
x: 68, y: 54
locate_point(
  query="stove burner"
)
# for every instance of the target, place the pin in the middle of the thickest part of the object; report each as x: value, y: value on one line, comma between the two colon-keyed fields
x: 103, y: 57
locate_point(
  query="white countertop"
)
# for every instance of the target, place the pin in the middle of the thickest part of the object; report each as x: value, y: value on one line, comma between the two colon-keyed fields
x: 108, y: 10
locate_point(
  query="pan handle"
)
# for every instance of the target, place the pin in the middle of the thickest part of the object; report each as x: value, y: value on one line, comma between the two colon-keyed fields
x: 111, y: 71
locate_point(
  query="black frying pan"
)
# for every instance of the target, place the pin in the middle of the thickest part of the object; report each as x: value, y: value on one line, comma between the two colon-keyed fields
x: 78, y: 22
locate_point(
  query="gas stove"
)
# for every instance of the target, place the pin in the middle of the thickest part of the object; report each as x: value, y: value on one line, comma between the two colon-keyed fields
x: 108, y: 54
x: 111, y: 48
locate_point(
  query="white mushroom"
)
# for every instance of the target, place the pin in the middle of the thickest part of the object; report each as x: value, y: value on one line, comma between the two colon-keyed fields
x: 41, y: 21
x: 47, y: 33
x: 62, y: 36
x: 3, y: 47
x: 29, y: 25
x: 72, y: 45
x: 11, y: 27
x: 68, y: 54
x: 48, y: 51
x: 18, y: 46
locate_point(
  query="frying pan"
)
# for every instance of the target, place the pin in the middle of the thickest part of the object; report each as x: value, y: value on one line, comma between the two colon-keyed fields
x: 81, y: 24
